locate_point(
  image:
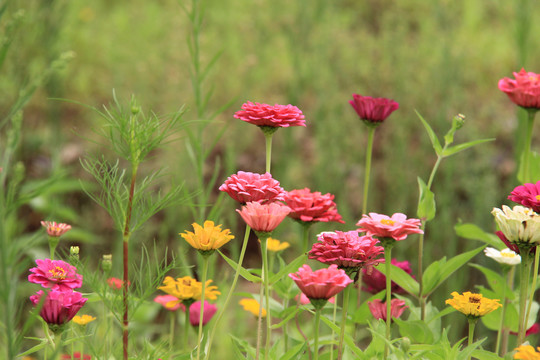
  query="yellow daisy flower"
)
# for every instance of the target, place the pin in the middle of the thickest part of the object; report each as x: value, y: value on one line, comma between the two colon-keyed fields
x: 527, y: 352
x: 473, y: 305
x: 276, y: 245
x: 252, y: 306
x: 187, y: 288
x: 208, y: 237
x: 83, y: 319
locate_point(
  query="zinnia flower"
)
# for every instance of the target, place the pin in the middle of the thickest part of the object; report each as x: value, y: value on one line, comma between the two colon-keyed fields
x: 115, y: 283
x: 347, y: 250
x: 54, y: 229
x: 527, y: 352
x: 252, y: 306
x: 322, y: 283
x: 534, y: 329
x: 304, y: 300
x: 207, y: 238
x: 275, y: 245
x: 169, y: 302
x: 373, y: 110
x: 55, y: 275
x: 527, y: 195
x: 268, y: 115
x: 396, y: 227
x: 310, y: 206
x: 263, y: 217
x: 59, y: 307
x: 505, y: 256
x: 524, y: 90
x: 83, y: 319
x: 520, y: 225
x: 187, y: 288
x: 376, y: 281
x: 246, y: 186
x: 76, y: 356
x: 378, y: 308
x: 472, y: 305
x: 195, y: 312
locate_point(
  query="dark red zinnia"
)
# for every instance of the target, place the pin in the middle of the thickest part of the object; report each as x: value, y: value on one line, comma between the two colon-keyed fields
x: 373, y: 110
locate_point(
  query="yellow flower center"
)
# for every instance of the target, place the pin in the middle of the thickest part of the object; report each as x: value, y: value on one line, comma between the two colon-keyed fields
x: 508, y: 255
x: 58, y: 273
x: 387, y: 222
x: 537, y: 197
x: 475, y: 300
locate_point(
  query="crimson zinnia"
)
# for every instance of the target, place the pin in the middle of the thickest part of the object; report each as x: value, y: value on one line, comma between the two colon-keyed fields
x: 272, y: 116
x: 310, y: 206
x: 396, y: 227
x: 322, y: 283
x: 263, y: 217
x: 523, y: 90
x: 55, y: 275
x: 247, y: 186
x: 373, y: 110
x: 59, y: 307
x: 377, y: 280
x: 527, y: 195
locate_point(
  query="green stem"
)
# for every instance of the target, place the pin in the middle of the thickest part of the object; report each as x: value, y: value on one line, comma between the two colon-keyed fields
x: 505, y: 332
x: 346, y: 293
x: 268, y: 137
x: 285, y: 330
x: 523, y: 291
x: 171, y: 331
x: 53, y: 242
x: 305, y: 235
x: 316, y: 342
x: 533, y: 286
x: 231, y: 290
x: 472, y: 324
x: 527, y: 147
x: 369, y: 151
x: 388, y: 266
x: 503, y: 314
x: 186, y: 328
x: 333, y: 321
x: 259, y: 322
x: 266, y: 281
x: 201, y: 315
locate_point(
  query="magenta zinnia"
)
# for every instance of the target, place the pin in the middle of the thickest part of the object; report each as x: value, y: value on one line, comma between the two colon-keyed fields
x: 527, y: 195
x: 396, y: 227
x: 523, y: 90
x: 264, y: 217
x: 379, y: 311
x: 55, y: 275
x: 59, y: 307
x: 322, y: 283
x: 195, y: 312
x: 373, y: 110
x: 247, y: 186
x: 310, y: 206
x: 272, y: 116
x: 376, y: 282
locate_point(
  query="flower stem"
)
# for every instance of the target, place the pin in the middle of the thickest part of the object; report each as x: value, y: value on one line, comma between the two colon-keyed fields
x: 268, y: 137
x: 231, y: 290
x: 316, y: 342
x: 503, y: 314
x: 186, y: 328
x: 388, y: 266
x: 53, y: 242
x: 346, y: 293
x: 472, y: 324
x: 266, y: 281
x: 369, y: 151
x: 533, y: 286
x: 527, y: 147
x: 505, y: 332
x: 333, y: 321
x: 305, y: 235
x: 523, y: 291
x: 285, y: 332
x: 171, y: 331
x: 201, y: 315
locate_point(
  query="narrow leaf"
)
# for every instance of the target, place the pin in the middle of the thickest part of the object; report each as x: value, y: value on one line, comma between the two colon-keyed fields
x: 473, y: 232
x: 243, y: 271
x: 292, y: 267
x: 432, y: 136
x: 400, y: 277
x: 426, y: 202
x: 458, y: 148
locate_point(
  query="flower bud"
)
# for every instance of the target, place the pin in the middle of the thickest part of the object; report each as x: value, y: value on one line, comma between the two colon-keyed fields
x: 74, y: 252
x: 106, y: 263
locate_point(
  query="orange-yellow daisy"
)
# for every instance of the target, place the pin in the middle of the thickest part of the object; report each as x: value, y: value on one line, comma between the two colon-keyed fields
x: 473, y: 305
x: 187, y: 288
x: 252, y: 306
x: 208, y: 237
x: 276, y: 245
x: 83, y: 319
x: 527, y: 352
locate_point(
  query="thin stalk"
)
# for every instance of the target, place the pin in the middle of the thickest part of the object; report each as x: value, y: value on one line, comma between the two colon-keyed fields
x: 505, y: 332
x: 523, y: 285
x: 346, y: 293
x: 203, y: 289
x: 259, y: 320
x: 333, y: 321
x: 316, y: 342
x: 171, y: 331
x: 533, y: 286
x: 231, y: 290
x: 371, y: 135
x: 266, y: 281
x: 388, y: 266
x: 186, y: 328
x: 268, y: 137
x: 527, y: 148
x: 472, y: 324
x: 503, y: 314
x: 305, y: 235
x: 285, y: 332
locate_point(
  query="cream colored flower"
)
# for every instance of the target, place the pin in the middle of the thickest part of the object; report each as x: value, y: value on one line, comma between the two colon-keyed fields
x: 505, y: 256
x: 519, y: 225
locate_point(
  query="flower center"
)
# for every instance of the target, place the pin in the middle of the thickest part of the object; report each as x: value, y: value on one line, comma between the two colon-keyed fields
x: 474, y: 300
x: 186, y: 282
x: 537, y: 197
x: 58, y: 273
x: 387, y: 222
x: 508, y: 254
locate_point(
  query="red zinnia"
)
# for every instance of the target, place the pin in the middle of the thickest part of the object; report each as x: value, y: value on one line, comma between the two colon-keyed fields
x: 377, y: 280
x: 268, y: 115
x: 527, y: 195
x: 524, y: 91
x: 373, y: 110
x: 312, y: 206
x: 59, y: 307
x: 263, y: 217
x: 116, y: 284
x: 396, y: 227
x: 76, y: 356
x: 378, y: 308
x: 247, y: 186
x: 55, y: 275
x: 322, y: 283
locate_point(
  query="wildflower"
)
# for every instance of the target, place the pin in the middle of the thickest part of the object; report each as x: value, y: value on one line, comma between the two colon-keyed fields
x: 55, y: 275
x: 376, y: 281
x: 59, y: 307
x: 472, y: 305
x: 527, y: 352
x: 264, y: 217
x: 373, y: 110
x: 83, y: 319
x: 246, y: 186
x: 310, y: 206
x: 322, y: 283
x: 187, y: 288
x: 378, y: 308
x: 208, y: 237
x: 169, y: 302
x: 272, y: 116
x: 115, y: 283
x: 55, y: 229
x: 195, y: 312
x: 527, y: 195
x: 76, y: 356
x: 520, y: 225
x: 534, y: 329
x: 304, y: 300
x: 276, y: 245
x: 523, y: 90
x: 396, y: 227
x: 505, y: 256
x: 347, y: 250
x: 252, y: 306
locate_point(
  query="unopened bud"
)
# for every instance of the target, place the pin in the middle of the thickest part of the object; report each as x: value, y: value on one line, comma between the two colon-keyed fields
x: 74, y: 252
x: 458, y: 121
x: 106, y: 263
x: 405, y: 344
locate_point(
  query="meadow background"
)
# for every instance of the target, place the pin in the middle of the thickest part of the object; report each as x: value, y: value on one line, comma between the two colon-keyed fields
x: 440, y: 58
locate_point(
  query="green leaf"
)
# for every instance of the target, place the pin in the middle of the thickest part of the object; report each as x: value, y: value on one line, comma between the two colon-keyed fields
x: 434, y: 140
x: 534, y: 168
x: 485, y: 355
x: 426, y: 202
x: 292, y: 267
x: 473, y: 232
x: 243, y: 271
x: 348, y: 339
x: 416, y: 330
x: 496, y: 282
x: 362, y: 314
x: 458, y: 148
x: 294, y: 352
x: 400, y: 277
x: 432, y: 274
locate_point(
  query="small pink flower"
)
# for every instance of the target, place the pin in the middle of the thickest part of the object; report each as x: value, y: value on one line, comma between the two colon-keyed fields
x: 527, y: 195
x: 312, y: 206
x: 373, y: 110
x: 268, y: 115
x: 54, y: 229
x: 195, y: 312
x: 346, y: 250
x: 377, y: 280
x: 263, y: 217
x: 246, y: 186
x: 383, y: 226
x: 524, y: 90
x: 59, y: 307
x: 169, y: 302
x: 55, y: 275
x: 115, y: 283
x: 378, y: 308
x: 322, y: 283
x: 304, y: 300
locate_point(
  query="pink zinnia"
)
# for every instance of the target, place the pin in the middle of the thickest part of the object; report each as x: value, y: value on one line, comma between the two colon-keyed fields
x: 373, y: 110
x: 527, y: 195
x: 115, y: 283
x: 377, y: 280
x: 396, y: 227
x: 268, y: 115
x: 263, y: 217
x: 312, y: 206
x: 524, y: 91
x: 247, y: 186
x: 59, y: 307
x: 347, y: 250
x: 322, y: 283
x: 169, y: 302
x: 195, y: 312
x: 378, y: 308
x: 55, y: 275
x: 54, y: 229
x: 304, y: 300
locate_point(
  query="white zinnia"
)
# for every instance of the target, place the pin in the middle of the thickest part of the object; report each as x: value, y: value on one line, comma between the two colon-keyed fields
x: 519, y: 225
x: 505, y: 256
